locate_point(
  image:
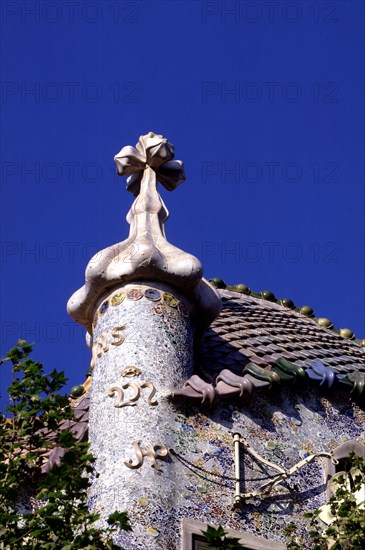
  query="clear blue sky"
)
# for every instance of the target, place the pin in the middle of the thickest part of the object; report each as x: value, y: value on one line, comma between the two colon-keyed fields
x: 264, y: 103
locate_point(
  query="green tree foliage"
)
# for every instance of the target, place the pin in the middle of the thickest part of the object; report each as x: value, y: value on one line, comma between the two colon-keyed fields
x: 45, y: 511
x: 347, y: 506
x: 217, y: 538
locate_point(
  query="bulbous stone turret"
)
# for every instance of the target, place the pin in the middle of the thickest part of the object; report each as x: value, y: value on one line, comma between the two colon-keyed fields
x: 142, y: 302
x: 146, y: 254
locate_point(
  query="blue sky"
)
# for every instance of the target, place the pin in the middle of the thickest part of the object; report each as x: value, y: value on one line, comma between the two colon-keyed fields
x: 264, y: 104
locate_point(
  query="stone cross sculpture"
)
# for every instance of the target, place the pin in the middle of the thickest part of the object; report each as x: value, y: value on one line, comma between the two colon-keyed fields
x: 142, y: 303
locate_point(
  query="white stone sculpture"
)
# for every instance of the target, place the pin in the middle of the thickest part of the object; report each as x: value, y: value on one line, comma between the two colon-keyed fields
x: 146, y: 254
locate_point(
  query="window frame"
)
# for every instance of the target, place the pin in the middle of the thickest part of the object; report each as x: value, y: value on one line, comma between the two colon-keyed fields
x: 341, y: 453
x: 191, y: 537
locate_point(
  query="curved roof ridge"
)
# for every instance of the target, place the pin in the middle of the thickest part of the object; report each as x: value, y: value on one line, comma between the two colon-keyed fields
x: 241, y: 289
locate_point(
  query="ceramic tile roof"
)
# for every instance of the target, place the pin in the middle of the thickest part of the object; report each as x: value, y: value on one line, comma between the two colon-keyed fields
x: 79, y: 427
x: 251, y: 329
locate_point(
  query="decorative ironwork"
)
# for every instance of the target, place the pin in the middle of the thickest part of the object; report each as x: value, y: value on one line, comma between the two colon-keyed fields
x: 266, y: 487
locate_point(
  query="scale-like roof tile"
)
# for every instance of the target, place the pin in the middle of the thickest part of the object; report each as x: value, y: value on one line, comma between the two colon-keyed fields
x: 262, y: 331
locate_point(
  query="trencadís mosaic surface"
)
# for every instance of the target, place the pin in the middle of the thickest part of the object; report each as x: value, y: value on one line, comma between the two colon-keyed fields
x: 175, y: 459
x: 283, y: 430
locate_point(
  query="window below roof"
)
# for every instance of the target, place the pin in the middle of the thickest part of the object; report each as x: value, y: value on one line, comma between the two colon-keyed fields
x: 342, y: 470
x: 341, y: 455
x: 192, y: 538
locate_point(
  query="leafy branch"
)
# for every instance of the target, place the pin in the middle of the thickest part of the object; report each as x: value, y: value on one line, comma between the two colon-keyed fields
x: 344, y: 514
x: 49, y: 510
x: 217, y: 538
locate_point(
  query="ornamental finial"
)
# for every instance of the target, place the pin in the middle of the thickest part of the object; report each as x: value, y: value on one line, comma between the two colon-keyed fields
x: 146, y: 255
x: 155, y: 151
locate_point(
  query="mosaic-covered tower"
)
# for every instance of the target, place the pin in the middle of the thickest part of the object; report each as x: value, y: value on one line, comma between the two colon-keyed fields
x: 248, y: 432
x: 141, y: 304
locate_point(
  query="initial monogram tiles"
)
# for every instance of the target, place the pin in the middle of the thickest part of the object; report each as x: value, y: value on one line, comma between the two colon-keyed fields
x: 117, y: 334
x: 131, y: 371
x: 101, y: 344
x: 136, y: 389
x: 142, y: 342
x: 155, y: 452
